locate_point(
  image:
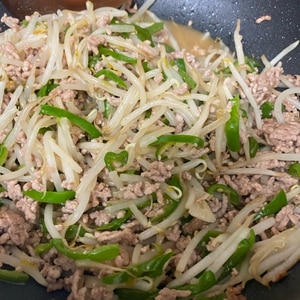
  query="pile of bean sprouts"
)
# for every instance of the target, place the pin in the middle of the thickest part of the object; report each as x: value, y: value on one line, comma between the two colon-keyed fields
x: 59, y: 155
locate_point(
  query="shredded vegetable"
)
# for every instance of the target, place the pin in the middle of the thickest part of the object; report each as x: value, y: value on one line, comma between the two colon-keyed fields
x: 132, y: 168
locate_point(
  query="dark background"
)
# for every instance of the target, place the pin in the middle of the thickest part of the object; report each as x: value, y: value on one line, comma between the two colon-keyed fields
x: 219, y: 18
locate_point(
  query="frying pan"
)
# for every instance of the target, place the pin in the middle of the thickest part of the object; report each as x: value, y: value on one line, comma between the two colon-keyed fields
x: 219, y: 18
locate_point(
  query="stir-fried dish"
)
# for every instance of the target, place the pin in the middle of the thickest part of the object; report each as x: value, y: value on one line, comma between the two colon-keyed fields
x: 133, y: 168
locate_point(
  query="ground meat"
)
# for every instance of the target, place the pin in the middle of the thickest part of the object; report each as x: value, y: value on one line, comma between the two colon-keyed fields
x: 235, y: 293
x: 139, y: 189
x: 286, y: 216
x: 173, y: 233
x: 194, y: 225
x: 93, y: 42
x: 123, y: 259
x: 170, y: 294
x: 158, y: 172
x: 101, y: 193
x: 100, y: 217
x: 182, y: 242
x: 182, y: 90
x: 261, y: 85
x: 13, y: 228
x: 80, y: 292
x: 263, y: 18
x: 253, y: 186
x: 284, y: 137
x: 218, y: 206
x: 68, y: 208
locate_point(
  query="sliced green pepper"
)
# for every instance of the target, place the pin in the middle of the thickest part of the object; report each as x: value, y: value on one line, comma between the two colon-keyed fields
x: 13, y: 276
x: 267, y: 110
x: 50, y: 197
x: 205, y: 282
x: 253, y: 146
x: 73, y: 231
x: 143, y: 34
x: 238, y: 256
x: 294, y: 169
x: 232, y: 127
x: 112, y: 76
x: 252, y: 62
x: 115, y: 224
x: 99, y: 254
x: 113, y: 160
x: 274, y: 206
x: 155, y: 27
x: 117, y: 55
x: 42, y: 248
x: 178, y: 138
x: 183, y: 73
x: 163, y: 142
x: 3, y: 154
x: 168, y: 208
x: 47, y: 88
x: 232, y: 194
x: 151, y: 268
x: 76, y: 120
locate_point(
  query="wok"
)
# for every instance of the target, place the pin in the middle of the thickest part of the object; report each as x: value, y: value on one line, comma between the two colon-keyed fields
x: 219, y: 18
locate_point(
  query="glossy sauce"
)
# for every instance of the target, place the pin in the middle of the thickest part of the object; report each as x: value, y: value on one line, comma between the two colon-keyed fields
x: 192, y: 40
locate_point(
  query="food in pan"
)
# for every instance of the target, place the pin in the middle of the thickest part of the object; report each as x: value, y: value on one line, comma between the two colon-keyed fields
x: 131, y: 167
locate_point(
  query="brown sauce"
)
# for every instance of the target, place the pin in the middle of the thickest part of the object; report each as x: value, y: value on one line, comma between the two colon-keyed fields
x: 192, y: 40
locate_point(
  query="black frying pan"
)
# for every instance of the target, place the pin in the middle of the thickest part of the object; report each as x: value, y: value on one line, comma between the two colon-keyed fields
x: 219, y: 18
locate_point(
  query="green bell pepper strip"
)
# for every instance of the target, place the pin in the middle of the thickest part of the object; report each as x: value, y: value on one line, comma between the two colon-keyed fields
x: 113, y: 160
x: 117, y: 55
x: 3, y: 154
x: 43, y: 247
x: 183, y: 73
x: 163, y: 142
x: 99, y: 254
x: 107, y: 109
x: 205, y: 282
x: 252, y: 63
x: 151, y: 268
x: 76, y: 120
x: 13, y: 276
x: 143, y: 34
x: 238, y: 256
x: 50, y: 197
x: 155, y: 27
x: 232, y: 127
x: 294, y: 169
x: 168, y: 208
x: 115, y: 224
x: 232, y: 194
x: 111, y: 76
x: 253, y: 146
x: 129, y: 293
x: 47, y: 88
x: 274, y: 206
x: 177, y: 138
x: 73, y: 231
x: 267, y: 110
